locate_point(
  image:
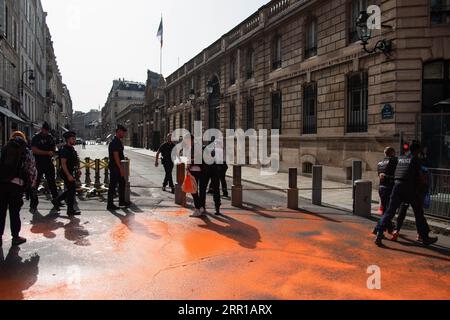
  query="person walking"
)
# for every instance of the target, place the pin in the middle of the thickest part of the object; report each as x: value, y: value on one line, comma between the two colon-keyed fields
x: 166, y: 151
x: 211, y: 172
x: 44, y: 148
x: 405, y: 190
x: 17, y: 173
x: 69, y: 172
x: 117, y: 172
x: 386, y: 174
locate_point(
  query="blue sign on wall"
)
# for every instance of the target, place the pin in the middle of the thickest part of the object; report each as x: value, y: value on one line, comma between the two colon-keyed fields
x: 388, y: 112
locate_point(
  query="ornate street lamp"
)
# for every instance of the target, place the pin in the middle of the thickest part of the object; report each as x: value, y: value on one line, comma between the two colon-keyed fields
x: 192, y: 95
x: 365, y: 34
x: 31, y: 78
x: 210, y: 88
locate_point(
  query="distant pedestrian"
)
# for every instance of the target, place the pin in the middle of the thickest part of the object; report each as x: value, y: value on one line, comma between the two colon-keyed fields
x: 117, y: 172
x: 44, y: 148
x: 17, y: 173
x: 84, y: 144
x: 69, y: 172
x: 166, y: 151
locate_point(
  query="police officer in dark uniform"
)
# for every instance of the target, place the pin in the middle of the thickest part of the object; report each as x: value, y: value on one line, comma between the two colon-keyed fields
x: 117, y: 173
x: 166, y: 151
x: 69, y: 172
x: 386, y: 173
x: 405, y: 190
x: 44, y: 148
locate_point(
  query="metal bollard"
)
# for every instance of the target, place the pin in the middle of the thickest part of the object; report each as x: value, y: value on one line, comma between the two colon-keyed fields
x: 87, y: 180
x: 180, y: 196
x: 126, y: 167
x: 293, y: 189
x: 97, y: 183
x: 362, y: 203
x: 236, y: 189
x: 317, y: 185
x: 106, y: 163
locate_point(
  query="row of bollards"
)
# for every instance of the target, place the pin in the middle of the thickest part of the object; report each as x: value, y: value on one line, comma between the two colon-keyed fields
x: 362, y: 190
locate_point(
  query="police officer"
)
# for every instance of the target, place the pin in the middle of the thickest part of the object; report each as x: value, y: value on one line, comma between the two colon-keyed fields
x: 69, y: 172
x: 44, y: 147
x: 386, y: 173
x: 405, y: 190
x: 117, y: 173
x: 166, y: 151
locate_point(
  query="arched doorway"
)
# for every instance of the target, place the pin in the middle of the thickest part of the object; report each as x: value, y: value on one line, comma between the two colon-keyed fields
x: 214, y: 104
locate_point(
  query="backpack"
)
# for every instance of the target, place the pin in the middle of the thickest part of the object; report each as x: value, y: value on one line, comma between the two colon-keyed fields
x: 12, y: 161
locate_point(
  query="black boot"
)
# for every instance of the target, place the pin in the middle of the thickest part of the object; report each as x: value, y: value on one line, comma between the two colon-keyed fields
x: 379, y: 239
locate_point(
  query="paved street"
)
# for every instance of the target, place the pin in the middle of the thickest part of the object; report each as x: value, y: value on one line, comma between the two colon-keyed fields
x: 155, y: 251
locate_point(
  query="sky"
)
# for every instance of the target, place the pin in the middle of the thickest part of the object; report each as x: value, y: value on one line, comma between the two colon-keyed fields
x: 97, y: 41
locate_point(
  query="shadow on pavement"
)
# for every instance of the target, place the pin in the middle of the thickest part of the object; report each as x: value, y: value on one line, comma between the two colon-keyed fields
x: 246, y: 235
x: 17, y: 275
x: 46, y: 225
x: 129, y: 220
x: 76, y: 233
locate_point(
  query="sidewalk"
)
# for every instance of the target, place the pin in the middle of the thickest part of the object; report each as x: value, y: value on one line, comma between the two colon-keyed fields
x: 335, y: 195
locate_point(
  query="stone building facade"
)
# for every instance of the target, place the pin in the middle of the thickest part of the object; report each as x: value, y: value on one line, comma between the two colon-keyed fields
x: 31, y: 86
x: 153, y: 112
x: 298, y: 66
x: 122, y: 94
x: 131, y: 118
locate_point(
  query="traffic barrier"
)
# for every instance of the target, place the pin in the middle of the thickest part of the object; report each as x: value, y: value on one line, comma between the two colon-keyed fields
x: 362, y: 204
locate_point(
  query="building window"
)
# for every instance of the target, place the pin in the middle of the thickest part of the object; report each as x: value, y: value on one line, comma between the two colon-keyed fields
x: 180, y: 99
x: 250, y: 63
x: 311, y: 39
x: 358, y: 100
x: 309, y: 109
x: 356, y: 6
x: 307, y: 168
x: 440, y: 12
x: 181, y: 121
x: 250, y: 114
x: 232, y: 70
x: 174, y: 123
x: 276, y: 53
x: 232, y: 115
x: 436, y: 84
x: 276, y: 110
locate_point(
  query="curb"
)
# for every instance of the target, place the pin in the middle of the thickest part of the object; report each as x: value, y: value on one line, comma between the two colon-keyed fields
x: 437, y: 226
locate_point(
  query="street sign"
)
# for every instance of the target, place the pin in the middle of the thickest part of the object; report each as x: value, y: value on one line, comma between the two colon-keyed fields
x: 387, y: 112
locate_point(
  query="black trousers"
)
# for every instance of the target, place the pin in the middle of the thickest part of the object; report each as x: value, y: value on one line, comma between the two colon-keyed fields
x: 222, y: 171
x: 168, y: 180
x: 211, y: 173
x: 48, y: 170
x: 11, y: 197
x: 404, y: 193
x: 116, y: 179
x: 69, y: 194
x: 196, y: 196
